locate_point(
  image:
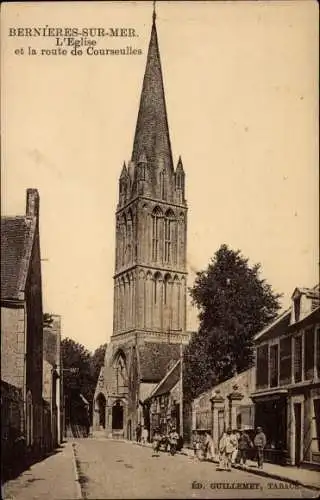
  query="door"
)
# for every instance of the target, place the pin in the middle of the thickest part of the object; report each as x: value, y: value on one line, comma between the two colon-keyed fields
x: 297, y: 432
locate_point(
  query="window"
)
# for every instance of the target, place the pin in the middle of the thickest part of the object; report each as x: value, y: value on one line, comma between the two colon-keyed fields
x: 285, y: 361
x: 274, y: 358
x: 308, y: 354
x: 298, y: 359
x: 262, y: 366
x: 156, y: 220
x: 168, y: 236
x: 155, y: 291
x: 296, y: 303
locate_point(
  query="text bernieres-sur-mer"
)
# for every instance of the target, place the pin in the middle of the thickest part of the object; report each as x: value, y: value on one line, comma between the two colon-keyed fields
x: 47, y: 31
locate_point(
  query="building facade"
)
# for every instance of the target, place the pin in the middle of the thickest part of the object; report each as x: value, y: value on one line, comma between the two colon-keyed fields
x: 287, y: 392
x: 150, y: 269
x: 22, y: 326
x: 164, y: 402
x: 52, y: 382
x: 228, y: 404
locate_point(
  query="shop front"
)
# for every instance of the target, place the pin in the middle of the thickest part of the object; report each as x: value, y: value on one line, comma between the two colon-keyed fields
x: 271, y: 415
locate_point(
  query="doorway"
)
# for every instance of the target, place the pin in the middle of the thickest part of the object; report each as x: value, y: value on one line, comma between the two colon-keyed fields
x: 297, y: 432
x: 117, y: 416
x: 101, y: 403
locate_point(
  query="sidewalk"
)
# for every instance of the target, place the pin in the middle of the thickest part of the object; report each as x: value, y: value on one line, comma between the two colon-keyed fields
x: 54, y: 477
x: 303, y: 477
x: 295, y: 475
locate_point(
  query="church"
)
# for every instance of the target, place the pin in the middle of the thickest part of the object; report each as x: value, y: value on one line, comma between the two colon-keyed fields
x: 150, y: 278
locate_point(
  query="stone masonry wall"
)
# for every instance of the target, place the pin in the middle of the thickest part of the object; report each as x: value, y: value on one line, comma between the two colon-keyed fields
x: 12, y: 345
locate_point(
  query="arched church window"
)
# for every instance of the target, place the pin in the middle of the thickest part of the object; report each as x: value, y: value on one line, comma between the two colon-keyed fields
x: 124, y: 240
x: 129, y: 239
x: 169, y: 229
x: 156, y: 222
x: 157, y: 285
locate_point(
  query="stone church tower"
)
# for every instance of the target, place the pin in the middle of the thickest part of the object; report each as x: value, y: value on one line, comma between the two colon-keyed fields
x: 149, y: 318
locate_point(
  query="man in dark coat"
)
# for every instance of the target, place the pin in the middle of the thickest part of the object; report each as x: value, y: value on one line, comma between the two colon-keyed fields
x: 244, y: 444
x: 260, y: 443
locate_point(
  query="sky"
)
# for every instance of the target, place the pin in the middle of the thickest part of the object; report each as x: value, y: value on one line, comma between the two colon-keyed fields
x: 241, y: 83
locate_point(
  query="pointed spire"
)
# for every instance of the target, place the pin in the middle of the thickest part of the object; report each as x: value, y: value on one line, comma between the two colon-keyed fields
x: 152, y: 131
x: 124, y: 171
x: 154, y: 15
x: 179, y: 165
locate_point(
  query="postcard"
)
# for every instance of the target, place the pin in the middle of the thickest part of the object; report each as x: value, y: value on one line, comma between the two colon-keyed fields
x: 160, y: 303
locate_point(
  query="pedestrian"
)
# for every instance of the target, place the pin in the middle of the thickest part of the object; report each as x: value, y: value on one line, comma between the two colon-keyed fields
x: 222, y: 451
x: 173, y: 441
x: 156, y: 440
x: 209, y: 447
x: 138, y: 433
x: 144, y: 435
x: 196, y: 445
x: 260, y: 443
x: 244, y: 444
x: 234, y: 438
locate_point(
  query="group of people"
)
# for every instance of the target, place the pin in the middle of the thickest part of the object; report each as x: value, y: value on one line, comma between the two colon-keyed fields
x: 142, y: 434
x: 170, y: 441
x: 233, y: 446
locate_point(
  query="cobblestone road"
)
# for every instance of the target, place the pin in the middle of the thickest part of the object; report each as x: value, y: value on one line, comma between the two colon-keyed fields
x: 115, y: 469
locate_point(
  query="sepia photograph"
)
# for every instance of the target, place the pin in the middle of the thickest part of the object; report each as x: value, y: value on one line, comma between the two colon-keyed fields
x: 160, y: 297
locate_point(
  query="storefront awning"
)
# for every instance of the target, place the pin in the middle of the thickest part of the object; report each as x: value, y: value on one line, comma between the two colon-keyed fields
x: 269, y: 395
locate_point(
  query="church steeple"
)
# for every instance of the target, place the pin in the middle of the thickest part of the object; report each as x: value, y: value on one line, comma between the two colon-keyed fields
x: 152, y: 131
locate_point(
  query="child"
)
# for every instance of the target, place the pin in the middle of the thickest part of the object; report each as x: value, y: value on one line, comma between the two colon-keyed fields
x: 156, y: 443
x: 196, y: 445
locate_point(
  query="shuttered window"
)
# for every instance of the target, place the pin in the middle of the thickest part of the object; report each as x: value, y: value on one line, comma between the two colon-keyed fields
x: 285, y: 361
x: 274, y: 357
x: 262, y: 367
x: 308, y: 354
x: 298, y: 359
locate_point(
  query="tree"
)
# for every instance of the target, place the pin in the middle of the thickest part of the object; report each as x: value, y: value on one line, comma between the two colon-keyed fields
x: 97, y: 361
x: 234, y: 304
x: 76, y: 356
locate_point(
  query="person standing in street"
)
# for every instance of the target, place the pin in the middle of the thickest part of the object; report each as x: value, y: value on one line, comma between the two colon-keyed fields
x: 244, y: 444
x: 260, y: 443
x: 173, y: 441
x: 222, y: 452
x: 144, y: 435
x: 138, y: 433
x: 196, y: 445
x: 209, y: 447
x: 156, y: 443
x: 234, y: 438
x: 229, y: 449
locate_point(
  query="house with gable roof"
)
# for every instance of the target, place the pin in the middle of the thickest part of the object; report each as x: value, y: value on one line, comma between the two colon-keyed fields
x: 22, y: 328
x: 287, y: 385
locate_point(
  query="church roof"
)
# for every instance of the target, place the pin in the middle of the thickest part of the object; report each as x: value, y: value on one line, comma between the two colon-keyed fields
x: 17, y: 237
x: 152, y: 131
x: 155, y: 359
x: 168, y: 382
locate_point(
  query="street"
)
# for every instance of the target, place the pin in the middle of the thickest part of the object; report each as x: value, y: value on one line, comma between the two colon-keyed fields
x: 116, y: 469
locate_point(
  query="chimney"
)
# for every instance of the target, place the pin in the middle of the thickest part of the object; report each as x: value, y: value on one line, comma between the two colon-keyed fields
x: 33, y: 202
